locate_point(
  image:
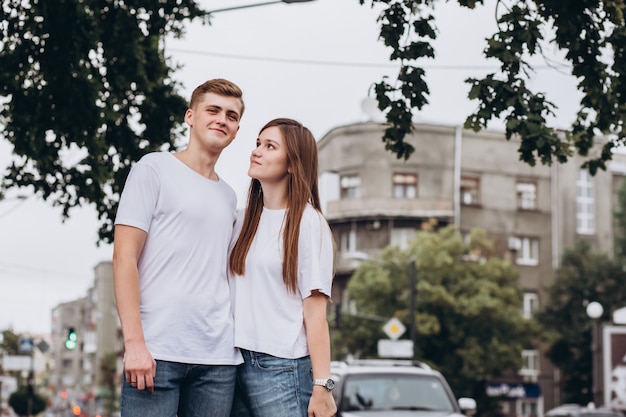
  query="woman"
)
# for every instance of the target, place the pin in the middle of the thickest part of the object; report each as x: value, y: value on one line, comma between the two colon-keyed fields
x: 281, y: 275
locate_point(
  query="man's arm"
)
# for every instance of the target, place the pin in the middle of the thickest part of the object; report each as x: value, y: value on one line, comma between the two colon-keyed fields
x: 139, y: 365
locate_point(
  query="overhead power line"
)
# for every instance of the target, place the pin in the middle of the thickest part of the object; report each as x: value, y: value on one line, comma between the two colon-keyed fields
x: 347, y: 63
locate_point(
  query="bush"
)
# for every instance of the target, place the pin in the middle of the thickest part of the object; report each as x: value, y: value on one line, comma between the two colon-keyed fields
x: 19, y: 402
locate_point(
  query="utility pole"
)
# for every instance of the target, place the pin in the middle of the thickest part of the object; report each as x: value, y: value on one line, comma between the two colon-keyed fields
x: 412, y: 302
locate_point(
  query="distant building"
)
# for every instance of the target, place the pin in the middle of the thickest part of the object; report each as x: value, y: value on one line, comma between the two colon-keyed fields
x: 473, y: 180
x: 77, y: 375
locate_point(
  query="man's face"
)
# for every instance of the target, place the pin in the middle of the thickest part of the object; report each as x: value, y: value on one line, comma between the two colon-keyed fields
x: 215, y: 120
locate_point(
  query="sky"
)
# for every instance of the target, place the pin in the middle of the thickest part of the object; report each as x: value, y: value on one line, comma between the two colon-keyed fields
x: 314, y: 62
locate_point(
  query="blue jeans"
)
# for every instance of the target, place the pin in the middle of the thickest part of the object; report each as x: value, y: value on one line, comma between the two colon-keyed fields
x: 183, y: 390
x: 268, y: 386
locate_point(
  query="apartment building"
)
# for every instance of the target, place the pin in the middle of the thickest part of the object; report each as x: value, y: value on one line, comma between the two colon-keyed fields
x: 473, y: 180
x: 77, y: 375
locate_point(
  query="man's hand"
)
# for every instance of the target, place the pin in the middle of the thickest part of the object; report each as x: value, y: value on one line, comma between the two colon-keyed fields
x: 139, y: 368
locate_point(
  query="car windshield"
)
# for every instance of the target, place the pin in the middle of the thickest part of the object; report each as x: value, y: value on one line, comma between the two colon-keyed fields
x: 395, y: 392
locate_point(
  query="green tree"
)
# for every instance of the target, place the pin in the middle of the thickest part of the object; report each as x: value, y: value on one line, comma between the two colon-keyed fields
x: 10, y: 342
x: 589, y: 34
x: 583, y: 276
x: 619, y: 215
x: 10, y: 346
x: 468, y: 320
x: 108, y: 367
x: 87, y: 91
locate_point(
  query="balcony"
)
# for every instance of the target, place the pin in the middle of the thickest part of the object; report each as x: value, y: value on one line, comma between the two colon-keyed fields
x: 388, y: 207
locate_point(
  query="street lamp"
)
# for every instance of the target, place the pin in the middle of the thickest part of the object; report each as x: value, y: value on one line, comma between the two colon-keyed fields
x: 245, y: 6
x: 594, y: 312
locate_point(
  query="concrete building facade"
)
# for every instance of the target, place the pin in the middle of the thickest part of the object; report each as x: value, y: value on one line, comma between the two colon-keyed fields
x: 77, y: 376
x: 473, y: 180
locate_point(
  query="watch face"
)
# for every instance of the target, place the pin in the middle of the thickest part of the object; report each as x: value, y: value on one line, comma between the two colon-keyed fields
x: 330, y: 384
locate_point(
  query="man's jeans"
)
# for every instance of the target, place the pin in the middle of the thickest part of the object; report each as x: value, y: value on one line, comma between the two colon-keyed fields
x: 183, y: 390
x: 268, y: 386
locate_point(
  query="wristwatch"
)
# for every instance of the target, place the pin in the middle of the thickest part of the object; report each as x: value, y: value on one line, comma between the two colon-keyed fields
x: 328, y: 383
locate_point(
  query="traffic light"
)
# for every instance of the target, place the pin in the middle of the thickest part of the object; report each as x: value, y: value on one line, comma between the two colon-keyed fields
x: 71, y: 341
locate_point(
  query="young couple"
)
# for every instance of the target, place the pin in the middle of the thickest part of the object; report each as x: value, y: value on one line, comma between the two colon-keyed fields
x: 185, y: 262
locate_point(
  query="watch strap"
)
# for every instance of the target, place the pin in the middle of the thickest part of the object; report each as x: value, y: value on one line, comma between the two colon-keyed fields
x: 321, y: 382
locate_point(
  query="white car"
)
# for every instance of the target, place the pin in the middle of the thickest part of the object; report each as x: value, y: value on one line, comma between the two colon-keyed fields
x: 392, y: 388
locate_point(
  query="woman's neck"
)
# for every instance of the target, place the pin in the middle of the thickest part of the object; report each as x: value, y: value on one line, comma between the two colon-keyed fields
x: 274, y: 196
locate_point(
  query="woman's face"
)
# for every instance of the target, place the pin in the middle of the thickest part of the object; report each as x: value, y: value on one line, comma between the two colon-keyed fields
x: 268, y: 162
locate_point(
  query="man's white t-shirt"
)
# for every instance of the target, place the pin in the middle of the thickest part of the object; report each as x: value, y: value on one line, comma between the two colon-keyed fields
x: 268, y: 318
x: 185, y: 301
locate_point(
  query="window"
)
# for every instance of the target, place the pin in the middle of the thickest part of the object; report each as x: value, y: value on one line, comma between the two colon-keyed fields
x: 401, y: 236
x: 528, y: 252
x: 470, y: 191
x: 404, y: 185
x: 526, y: 195
x: 585, y: 204
x: 348, y: 241
x: 350, y: 186
x: 531, y: 304
x: 530, y: 363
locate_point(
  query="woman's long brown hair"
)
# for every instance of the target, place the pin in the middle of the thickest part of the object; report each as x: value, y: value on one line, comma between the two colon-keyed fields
x: 302, y: 188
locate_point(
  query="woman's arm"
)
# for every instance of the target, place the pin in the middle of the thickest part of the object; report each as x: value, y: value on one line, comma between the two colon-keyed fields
x: 322, y: 403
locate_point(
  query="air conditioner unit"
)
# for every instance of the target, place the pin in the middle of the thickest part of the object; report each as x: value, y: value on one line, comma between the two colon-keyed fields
x: 515, y: 243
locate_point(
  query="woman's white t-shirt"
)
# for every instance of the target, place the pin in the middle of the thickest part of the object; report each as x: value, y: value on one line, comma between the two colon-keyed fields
x: 268, y: 318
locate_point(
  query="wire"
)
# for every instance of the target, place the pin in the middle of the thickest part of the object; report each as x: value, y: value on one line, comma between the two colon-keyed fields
x: 40, y: 272
x: 15, y: 207
x: 345, y: 63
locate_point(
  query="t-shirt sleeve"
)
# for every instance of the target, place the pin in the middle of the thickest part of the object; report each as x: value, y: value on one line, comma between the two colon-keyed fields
x: 316, y: 254
x: 139, y: 198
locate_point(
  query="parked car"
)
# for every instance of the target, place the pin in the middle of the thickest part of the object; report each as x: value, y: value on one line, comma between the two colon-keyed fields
x: 390, y: 388
x: 576, y: 410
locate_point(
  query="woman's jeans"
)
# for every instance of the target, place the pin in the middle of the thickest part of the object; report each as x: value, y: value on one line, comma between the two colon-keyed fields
x: 268, y: 386
x: 183, y: 390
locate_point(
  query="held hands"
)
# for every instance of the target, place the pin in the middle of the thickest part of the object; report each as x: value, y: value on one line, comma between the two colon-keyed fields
x: 322, y: 403
x: 139, y: 367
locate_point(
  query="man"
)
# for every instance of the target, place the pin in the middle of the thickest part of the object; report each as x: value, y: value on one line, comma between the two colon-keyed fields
x: 172, y: 230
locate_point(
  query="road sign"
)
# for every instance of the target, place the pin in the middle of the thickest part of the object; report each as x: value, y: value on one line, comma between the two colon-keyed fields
x: 43, y: 346
x: 394, y: 328
x: 21, y: 363
x: 26, y: 345
x: 395, y: 348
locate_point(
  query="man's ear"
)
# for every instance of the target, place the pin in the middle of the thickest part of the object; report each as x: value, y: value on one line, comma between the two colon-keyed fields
x: 188, y: 116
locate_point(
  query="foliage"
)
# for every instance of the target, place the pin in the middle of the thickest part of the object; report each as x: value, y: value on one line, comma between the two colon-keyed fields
x: 619, y: 215
x: 583, y: 276
x: 10, y: 346
x: 10, y: 342
x: 19, y: 402
x: 108, y: 367
x: 87, y: 89
x: 468, y: 320
x: 590, y: 34
x: 87, y: 92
